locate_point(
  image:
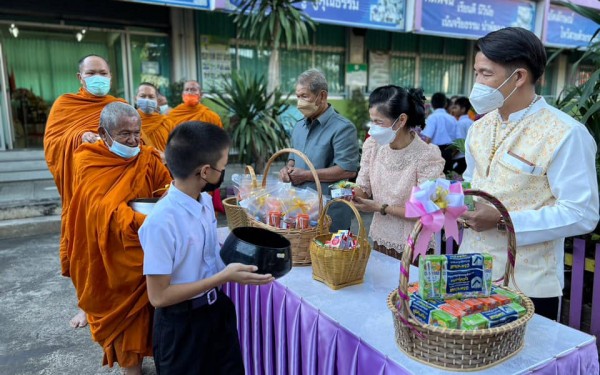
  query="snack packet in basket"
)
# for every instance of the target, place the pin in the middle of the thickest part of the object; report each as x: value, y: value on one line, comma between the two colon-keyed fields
x: 455, y: 276
x: 493, y: 318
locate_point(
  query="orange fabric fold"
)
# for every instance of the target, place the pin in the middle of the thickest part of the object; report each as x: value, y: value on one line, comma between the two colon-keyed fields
x: 71, y: 116
x: 155, y: 130
x: 103, y: 249
x: 199, y: 112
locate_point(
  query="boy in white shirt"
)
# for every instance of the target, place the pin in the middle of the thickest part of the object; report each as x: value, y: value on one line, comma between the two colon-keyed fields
x: 195, y: 328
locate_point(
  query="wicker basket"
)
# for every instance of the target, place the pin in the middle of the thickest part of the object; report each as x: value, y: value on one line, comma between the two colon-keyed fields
x: 299, y: 238
x: 457, y: 349
x: 340, y: 268
x: 236, y: 216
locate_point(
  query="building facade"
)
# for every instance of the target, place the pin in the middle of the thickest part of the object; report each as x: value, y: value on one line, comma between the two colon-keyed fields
x: 366, y: 44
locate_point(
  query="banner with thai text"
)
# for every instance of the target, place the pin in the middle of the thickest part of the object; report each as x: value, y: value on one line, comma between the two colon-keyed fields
x: 371, y: 14
x: 196, y: 4
x: 474, y: 19
x: 567, y: 28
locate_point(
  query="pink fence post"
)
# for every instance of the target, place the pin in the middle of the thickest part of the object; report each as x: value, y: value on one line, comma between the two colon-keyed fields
x: 595, y: 329
x: 577, y: 283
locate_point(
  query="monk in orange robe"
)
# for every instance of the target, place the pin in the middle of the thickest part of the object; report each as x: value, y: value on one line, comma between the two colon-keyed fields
x: 103, y: 247
x: 155, y: 126
x: 73, y: 120
x: 191, y: 109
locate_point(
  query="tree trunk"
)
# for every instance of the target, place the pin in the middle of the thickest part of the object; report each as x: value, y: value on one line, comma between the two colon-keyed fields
x: 274, y: 77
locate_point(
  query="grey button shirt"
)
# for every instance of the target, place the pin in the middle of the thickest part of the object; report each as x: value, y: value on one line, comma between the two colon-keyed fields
x: 329, y: 140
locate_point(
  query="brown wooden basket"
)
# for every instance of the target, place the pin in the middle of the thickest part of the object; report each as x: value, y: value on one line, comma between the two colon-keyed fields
x: 299, y: 238
x: 457, y: 349
x: 340, y: 268
x: 236, y: 216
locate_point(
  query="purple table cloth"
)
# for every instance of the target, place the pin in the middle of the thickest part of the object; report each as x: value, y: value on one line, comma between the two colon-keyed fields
x: 297, y: 325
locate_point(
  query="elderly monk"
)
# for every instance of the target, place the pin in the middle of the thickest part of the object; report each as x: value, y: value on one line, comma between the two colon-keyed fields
x: 73, y: 120
x: 191, y: 109
x: 155, y: 126
x: 103, y: 247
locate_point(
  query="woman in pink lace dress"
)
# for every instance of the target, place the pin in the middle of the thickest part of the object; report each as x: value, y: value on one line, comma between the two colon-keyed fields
x: 394, y: 159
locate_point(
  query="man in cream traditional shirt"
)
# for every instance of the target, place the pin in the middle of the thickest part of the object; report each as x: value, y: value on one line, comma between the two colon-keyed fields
x: 538, y: 161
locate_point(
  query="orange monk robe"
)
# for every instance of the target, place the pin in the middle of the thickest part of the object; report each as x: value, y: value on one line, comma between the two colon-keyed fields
x: 155, y: 130
x: 104, y: 251
x: 199, y: 112
x: 70, y: 117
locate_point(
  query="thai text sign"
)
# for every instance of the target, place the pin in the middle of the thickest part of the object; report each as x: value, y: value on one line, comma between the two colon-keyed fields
x: 474, y: 18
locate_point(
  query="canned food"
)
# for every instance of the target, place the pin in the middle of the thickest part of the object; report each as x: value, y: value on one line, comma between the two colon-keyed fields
x: 274, y: 218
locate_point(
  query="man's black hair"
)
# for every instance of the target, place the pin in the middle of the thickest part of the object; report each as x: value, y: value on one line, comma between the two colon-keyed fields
x: 515, y: 47
x: 463, y: 102
x: 438, y: 100
x: 193, y: 144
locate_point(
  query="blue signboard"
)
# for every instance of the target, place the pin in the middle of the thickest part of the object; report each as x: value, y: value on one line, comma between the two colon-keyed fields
x: 474, y: 19
x: 196, y: 4
x: 371, y: 14
x: 567, y: 28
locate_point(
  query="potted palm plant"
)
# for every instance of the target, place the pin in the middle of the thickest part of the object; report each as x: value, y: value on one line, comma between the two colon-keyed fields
x: 255, y: 123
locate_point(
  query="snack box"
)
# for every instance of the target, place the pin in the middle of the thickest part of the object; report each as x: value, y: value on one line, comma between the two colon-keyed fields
x: 456, y: 313
x: 514, y: 297
x: 502, y: 300
x: 427, y: 313
x: 455, y: 276
x: 493, y: 318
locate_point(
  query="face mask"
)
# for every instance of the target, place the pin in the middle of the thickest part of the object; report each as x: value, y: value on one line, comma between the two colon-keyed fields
x: 122, y: 150
x: 485, y: 99
x: 97, y: 85
x: 163, y: 108
x: 383, y: 136
x: 212, y: 187
x: 307, y: 108
x: 191, y: 99
x: 148, y: 106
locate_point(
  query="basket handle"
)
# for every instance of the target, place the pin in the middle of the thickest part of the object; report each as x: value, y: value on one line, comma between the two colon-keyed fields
x: 509, y: 269
x: 249, y: 170
x: 362, y: 233
x: 308, y: 163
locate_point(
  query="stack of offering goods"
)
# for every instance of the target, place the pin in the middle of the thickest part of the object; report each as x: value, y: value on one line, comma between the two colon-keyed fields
x: 342, y: 240
x: 282, y: 206
x: 342, y: 190
x: 455, y: 291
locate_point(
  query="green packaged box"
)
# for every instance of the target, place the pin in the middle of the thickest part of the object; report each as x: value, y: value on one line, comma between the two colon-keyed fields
x: 455, y: 276
x: 514, y: 297
x: 443, y: 319
x: 475, y: 321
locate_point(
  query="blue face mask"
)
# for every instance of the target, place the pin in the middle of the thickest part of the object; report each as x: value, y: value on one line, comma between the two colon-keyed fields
x: 148, y: 106
x: 164, y: 108
x: 97, y: 85
x: 122, y: 150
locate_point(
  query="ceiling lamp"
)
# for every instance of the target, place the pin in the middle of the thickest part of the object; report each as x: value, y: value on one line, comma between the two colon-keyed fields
x: 13, y: 30
x: 80, y: 34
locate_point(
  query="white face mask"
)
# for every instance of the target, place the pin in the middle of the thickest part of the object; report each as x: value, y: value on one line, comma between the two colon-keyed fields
x: 485, y: 99
x: 383, y: 136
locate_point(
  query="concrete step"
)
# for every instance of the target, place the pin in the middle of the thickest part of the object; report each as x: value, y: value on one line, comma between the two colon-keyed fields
x: 23, y: 165
x: 33, y: 226
x: 25, y: 175
x: 19, y: 155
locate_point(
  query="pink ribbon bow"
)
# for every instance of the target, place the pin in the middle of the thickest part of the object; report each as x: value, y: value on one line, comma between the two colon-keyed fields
x: 438, y: 204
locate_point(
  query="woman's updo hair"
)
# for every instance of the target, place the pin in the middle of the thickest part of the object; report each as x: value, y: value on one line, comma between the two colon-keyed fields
x: 392, y: 101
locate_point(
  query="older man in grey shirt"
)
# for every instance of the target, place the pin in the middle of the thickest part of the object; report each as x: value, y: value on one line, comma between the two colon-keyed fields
x: 328, y: 140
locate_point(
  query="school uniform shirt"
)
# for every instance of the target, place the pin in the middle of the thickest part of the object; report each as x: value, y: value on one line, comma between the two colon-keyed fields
x: 544, y: 173
x: 179, y: 238
x: 462, y: 128
x: 440, y: 127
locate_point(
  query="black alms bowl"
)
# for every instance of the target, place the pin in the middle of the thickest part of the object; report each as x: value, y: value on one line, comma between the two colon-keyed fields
x: 267, y: 250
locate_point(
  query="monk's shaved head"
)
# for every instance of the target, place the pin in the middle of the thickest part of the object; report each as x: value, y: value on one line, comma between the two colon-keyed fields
x: 113, y: 114
x: 93, y: 59
x: 192, y: 87
x: 148, y: 88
